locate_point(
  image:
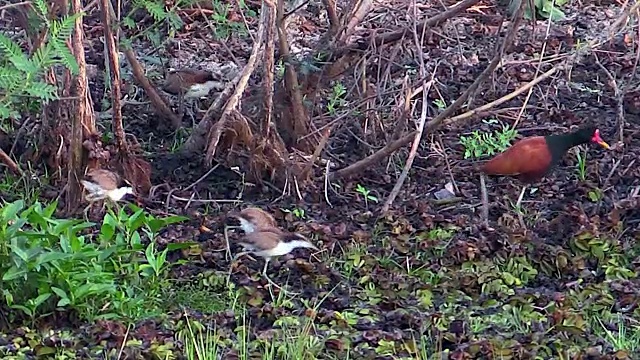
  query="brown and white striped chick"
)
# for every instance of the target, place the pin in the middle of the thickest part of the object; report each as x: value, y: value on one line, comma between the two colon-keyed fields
x: 190, y: 84
x: 263, y: 238
x: 251, y: 219
x: 103, y: 184
x: 271, y: 242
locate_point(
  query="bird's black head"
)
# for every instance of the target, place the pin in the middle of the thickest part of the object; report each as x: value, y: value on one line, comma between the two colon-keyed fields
x: 586, y: 134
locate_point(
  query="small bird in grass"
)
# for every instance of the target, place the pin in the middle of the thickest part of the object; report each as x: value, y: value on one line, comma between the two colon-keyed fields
x: 532, y: 158
x: 190, y: 84
x: 270, y: 242
x: 103, y: 184
x: 251, y: 219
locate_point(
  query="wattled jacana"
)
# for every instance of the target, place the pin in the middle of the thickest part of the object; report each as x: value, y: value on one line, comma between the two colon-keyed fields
x: 263, y: 237
x: 532, y: 158
x: 270, y: 242
x: 103, y: 184
x: 190, y: 84
x: 251, y: 219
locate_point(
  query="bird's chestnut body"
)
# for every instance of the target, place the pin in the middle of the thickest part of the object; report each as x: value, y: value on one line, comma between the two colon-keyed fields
x: 532, y: 158
x: 192, y: 83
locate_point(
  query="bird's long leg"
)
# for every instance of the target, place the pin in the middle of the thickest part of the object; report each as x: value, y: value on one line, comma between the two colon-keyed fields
x: 264, y: 273
x: 485, y: 201
x: 228, y: 245
x: 180, y: 104
x: 103, y: 209
x: 233, y: 260
x: 193, y: 113
x: 520, y: 197
x: 227, y: 255
x: 238, y: 255
x: 85, y: 212
x: 519, y: 209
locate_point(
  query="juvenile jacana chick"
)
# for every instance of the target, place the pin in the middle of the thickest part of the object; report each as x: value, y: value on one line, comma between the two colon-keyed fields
x: 251, y: 219
x: 190, y: 84
x: 103, y: 184
x: 532, y: 158
x: 270, y: 242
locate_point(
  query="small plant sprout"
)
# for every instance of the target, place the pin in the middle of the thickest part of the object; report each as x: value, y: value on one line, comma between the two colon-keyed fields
x: 485, y: 144
x: 582, y: 164
x: 366, y: 194
x: 336, y: 99
x: 547, y: 9
x: 440, y: 104
x: 297, y: 212
x: 595, y: 195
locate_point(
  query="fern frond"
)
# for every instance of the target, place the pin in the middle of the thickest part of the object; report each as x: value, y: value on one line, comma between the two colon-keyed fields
x: 9, y: 47
x: 7, y: 111
x: 174, y: 20
x: 156, y: 9
x: 66, y: 58
x: 11, y: 79
x: 128, y: 22
x: 42, y: 10
x: 42, y: 90
x: 61, y: 30
x: 25, y: 64
x: 43, y: 58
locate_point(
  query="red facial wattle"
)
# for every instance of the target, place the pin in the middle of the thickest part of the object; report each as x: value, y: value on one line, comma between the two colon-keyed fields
x: 598, y: 140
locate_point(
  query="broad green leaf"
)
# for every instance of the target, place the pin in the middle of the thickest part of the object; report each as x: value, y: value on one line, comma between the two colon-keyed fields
x: 10, y: 211
x: 51, y: 256
x: 14, y: 273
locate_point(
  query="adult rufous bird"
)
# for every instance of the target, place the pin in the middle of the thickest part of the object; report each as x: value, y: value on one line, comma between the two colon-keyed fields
x: 531, y: 158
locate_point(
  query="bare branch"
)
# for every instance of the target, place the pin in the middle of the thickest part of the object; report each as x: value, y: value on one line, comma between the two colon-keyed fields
x: 232, y: 103
x: 332, y: 13
x: 4, y: 158
x: 114, y: 70
x: 390, y: 37
x: 269, y: 68
x: 158, y: 102
x: 426, y: 86
x: 300, y: 118
x: 82, y: 116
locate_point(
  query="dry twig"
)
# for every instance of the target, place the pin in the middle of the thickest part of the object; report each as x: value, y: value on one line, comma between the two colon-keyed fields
x: 136, y: 170
x: 269, y: 64
x: 4, y: 158
x: 306, y: 172
x: 426, y: 85
x: 216, y: 130
x: 114, y: 70
x: 619, y: 96
x: 299, y: 119
x: 396, y: 35
x: 82, y: 116
x: 138, y: 74
x: 156, y: 99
